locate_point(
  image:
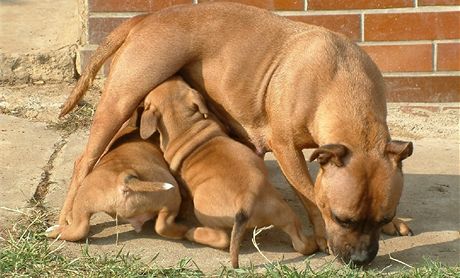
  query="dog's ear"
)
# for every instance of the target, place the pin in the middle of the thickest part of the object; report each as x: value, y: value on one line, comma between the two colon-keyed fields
x: 149, y: 122
x: 333, y: 153
x: 400, y: 150
x: 198, y: 100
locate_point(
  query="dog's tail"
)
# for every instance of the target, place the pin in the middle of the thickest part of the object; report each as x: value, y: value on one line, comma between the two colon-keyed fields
x: 239, y: 228
x: 131, y: 183
x: 108, y: 47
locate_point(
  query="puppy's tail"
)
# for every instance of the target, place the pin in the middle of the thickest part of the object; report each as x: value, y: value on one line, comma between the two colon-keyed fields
x: 239, y: 228
x: 109, y: 46
x: 133, y: 184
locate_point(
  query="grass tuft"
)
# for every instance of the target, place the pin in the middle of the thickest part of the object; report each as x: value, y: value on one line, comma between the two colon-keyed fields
x: 80, y: 117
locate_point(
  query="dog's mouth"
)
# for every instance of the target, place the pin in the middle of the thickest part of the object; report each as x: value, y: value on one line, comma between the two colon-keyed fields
x: 353, y: 256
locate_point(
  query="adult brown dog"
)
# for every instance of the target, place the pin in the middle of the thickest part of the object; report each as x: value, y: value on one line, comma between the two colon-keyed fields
x: 280, y: 86
x: 227, y: 180
x: 131, y: 182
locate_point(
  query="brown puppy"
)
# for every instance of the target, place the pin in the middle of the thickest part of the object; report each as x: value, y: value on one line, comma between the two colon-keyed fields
x: 130, y: 182
x: 227, y: 181
x: 280, y: 86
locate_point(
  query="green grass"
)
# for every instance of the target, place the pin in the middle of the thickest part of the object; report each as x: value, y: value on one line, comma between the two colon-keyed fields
x: 26, y: 252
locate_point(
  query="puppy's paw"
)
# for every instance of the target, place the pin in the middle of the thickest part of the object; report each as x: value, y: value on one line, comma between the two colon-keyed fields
x: 53, y: 231
x: 397, y: 227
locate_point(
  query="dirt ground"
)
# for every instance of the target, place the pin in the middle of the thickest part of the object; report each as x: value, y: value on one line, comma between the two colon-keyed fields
x: 38, y: 40
x: 430, y: 201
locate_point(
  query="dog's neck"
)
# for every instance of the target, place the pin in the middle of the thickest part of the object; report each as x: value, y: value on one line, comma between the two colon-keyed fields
x: 182, y: 146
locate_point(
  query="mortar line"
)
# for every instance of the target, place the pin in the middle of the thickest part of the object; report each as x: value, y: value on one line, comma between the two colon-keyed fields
x: 435, y: 56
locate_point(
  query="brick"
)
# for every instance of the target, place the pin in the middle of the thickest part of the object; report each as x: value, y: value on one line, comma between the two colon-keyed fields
x: 358, y: 4
x: 423, y: 89
x: 411, y: 26
x: 280, y: 5
x: 100, y: 27
x: 132, y: 5
x: 85, y: 55
x: 438, y: 2
x: 401, y: 58
x: 448, y: 56
x: 348, y: 25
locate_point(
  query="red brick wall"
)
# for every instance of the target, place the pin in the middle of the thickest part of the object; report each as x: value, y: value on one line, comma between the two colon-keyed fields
x: 415, y: 43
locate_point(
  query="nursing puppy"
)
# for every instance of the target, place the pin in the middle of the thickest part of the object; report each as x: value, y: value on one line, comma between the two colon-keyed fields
x: 131, y: 182
x: 227, y: 180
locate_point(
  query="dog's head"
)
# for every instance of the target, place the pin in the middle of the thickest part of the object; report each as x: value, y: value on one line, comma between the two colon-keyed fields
x: 171, y: 108
x: 357, y: 193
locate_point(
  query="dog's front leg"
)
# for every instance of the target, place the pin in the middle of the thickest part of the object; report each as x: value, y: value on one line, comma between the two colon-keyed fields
x: 397, y: 227
x: 81, y: 169
x: 294, y: 167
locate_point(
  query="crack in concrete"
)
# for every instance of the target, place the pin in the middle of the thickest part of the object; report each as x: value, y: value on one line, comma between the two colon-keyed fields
x: 42, y: 188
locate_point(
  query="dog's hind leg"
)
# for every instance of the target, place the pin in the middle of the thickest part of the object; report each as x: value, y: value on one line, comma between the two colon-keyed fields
x: 78, y: 229
x: 136, y: 69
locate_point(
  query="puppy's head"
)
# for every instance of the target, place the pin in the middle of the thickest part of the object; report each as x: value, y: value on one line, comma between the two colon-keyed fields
x: 171, y: 108
x: 357, y: 193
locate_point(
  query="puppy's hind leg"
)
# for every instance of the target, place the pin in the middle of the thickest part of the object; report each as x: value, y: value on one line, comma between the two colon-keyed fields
x: 216, y: 238
x: 166, y: 226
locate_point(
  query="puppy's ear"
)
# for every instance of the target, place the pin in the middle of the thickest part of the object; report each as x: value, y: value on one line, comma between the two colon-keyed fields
x: 198, y: 100
x: 149, y: 122
x: 333, y: 153
x: 400, y: 150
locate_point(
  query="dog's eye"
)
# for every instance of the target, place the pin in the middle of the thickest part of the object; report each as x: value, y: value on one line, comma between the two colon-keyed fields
x: 345, y: 222
x: 385, y: 220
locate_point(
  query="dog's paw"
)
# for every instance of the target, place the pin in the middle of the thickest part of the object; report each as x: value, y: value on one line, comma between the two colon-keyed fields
x: 322, y: 244
x: 397, y: 227
x: 53, y: 231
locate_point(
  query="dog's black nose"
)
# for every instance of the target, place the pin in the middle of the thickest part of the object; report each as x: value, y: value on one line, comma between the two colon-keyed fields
x: 365, y: 256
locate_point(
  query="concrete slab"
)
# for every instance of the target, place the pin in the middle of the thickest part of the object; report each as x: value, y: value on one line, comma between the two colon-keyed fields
x: 25, y: 148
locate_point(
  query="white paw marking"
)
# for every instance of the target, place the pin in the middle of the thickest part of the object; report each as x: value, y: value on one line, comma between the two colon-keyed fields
x: 52, y: 228
x: 167, y: 186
